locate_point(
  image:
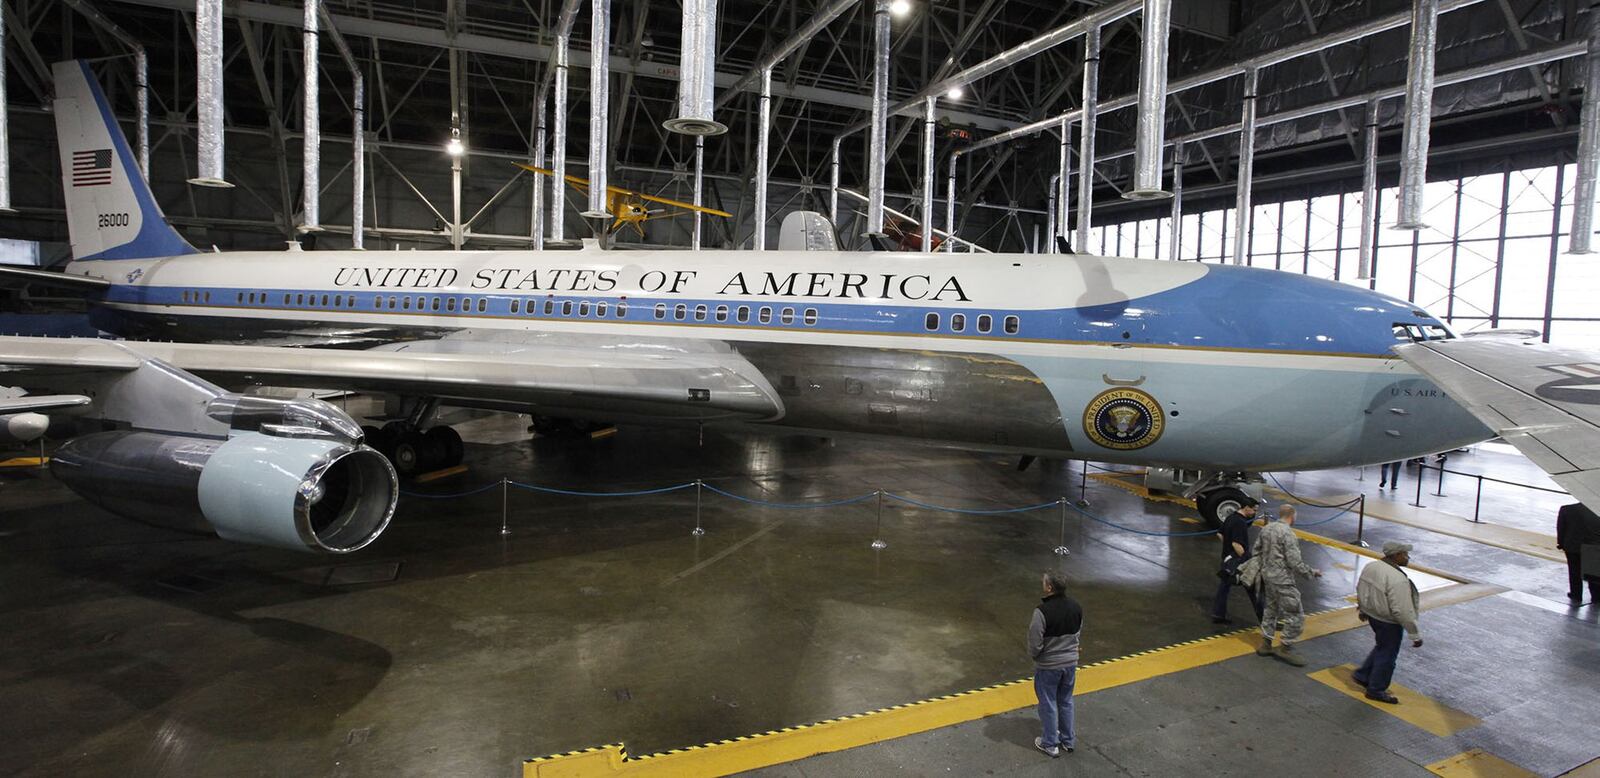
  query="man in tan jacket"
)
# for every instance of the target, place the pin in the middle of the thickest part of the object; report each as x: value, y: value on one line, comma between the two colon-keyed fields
x: 1389, y: 602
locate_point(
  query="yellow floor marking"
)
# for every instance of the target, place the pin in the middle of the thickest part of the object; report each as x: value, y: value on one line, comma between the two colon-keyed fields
x: 792, y: 743
x: 1415, y: 708
x: 1188, y: 520
x: 603, y: 433
x: 1477, y: 763
x: 1367, y: 552
x: 25, y: 462
x: 441, y: 474
x: 1522, y: 541
x: 1587, y: 770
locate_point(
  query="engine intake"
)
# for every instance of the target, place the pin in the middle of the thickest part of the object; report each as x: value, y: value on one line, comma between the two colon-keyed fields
x: 302, y: 493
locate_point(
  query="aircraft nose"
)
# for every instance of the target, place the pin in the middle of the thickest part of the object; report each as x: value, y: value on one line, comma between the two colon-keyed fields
x: 23, y: 427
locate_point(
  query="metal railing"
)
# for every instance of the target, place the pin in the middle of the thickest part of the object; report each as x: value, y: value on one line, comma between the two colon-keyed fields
x: 1477, y: 500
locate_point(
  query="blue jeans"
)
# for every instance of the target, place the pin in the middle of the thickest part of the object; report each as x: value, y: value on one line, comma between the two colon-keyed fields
x: 1054, y: 688
x: 1390, y: 473
x: 1378, y: 670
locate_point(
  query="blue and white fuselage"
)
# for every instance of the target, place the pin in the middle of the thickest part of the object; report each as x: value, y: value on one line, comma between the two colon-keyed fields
x: 1123, y: 360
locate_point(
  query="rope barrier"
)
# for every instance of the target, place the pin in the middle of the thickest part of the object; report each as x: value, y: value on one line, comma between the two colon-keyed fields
x: 576, y: 493
x: 1303, y: 501
x: 971, y: 511
x: 790, y: 505
x: 452, y: 495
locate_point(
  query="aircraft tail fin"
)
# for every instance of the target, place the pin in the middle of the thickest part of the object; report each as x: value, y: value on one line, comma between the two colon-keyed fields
x: 111, y: 213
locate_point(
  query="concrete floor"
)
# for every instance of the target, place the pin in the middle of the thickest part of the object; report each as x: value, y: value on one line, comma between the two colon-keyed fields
x: 446, y: 648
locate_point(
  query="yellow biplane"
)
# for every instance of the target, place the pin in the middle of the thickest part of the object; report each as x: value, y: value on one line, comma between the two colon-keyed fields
x: 628, y: 207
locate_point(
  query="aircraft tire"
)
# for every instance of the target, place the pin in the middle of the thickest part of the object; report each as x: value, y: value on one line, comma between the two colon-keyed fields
x: 448, y: 444
x: 1218, y: 504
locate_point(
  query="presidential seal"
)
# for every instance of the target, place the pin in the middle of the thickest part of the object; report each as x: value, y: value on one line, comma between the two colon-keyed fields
x: 1123, y: 418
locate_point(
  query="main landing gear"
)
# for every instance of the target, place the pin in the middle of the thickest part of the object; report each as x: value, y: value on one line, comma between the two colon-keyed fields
x: 1216, y: 494
x: 412, y: 449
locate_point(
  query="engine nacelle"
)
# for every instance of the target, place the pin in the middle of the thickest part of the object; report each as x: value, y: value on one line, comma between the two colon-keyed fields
x: 22, y: 427
x: 301, y: 493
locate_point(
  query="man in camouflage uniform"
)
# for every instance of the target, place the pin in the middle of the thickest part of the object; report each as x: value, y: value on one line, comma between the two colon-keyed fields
x: 1278, y: 550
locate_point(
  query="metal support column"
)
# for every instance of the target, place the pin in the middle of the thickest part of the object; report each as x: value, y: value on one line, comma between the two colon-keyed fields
x: 1177, y: 202
x: 763, y: 131
x: 1091, y: 100
x: 1369, y: 195
x: 1418, y: 113
x: 311, y: 123
x: 699, y: 183
x: 536, y: 206
x: 5, y: 133
x: 1246, y: 173
x: 358, y: 164
x: 558, y: 137
x: 876, y: 140
x: 1050, y: 213
x: 833, y: 187
x: 208, y: 94
x: 599, y: 104
x: 949, y: 206
x: 1062, y: 194
x: 1151, y: 123
x: 1588, y: 168
x: 927, y: 175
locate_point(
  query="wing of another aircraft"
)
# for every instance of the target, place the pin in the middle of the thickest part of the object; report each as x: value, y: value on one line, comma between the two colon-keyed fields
x: 36, y: 403
x: 1543, y: 400
x: 509, y: 371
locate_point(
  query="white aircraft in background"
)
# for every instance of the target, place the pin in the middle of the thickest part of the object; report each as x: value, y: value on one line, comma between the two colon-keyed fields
x: 1208, y: 373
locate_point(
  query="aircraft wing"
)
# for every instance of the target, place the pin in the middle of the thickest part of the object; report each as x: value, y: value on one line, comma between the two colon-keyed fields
x: 1543, y: 400
x: 522, y: 372
x: 36, y: 403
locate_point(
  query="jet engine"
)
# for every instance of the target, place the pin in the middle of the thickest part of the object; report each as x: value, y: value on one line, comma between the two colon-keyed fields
x: 273, y: 484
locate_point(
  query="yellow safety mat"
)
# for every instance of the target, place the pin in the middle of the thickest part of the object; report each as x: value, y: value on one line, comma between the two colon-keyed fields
x: 1415, y: 708
x: 1477, y: 763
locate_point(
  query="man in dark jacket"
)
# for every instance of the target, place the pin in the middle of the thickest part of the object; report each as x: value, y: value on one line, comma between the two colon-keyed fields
x: 1053, y: 647
x: 1235, y: 532
x: 1576, y: 527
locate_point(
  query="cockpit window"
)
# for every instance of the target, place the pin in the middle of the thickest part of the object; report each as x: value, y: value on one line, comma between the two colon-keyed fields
x: 1406, y: 332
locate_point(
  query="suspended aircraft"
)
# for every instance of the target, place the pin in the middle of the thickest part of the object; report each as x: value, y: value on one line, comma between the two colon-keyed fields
x: 627, y: 207
x: 1209, y: 374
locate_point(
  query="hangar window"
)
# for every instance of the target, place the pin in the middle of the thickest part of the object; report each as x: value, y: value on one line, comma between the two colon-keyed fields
x: 622, y: 310
x: 931, y: 321
x: 679, y: 311
x: 985, y: 322
x: 1013, y: 325
x: 661, y: 310
x: 566, y: 308
x: 699, y: 313
x: 450, y: 304
x: 958, y: 322
x: 788, y: 316
x: 722, y: 313
x: 516, y: 305
x: 583, y: 308
x: 766, y: 315
x: 811, y: 317
x: 600, y: 309
x: 744, y: 314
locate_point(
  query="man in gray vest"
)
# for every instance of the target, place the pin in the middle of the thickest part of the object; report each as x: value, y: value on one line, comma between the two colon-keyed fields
x: 1389, y: 603
x: 1053, y: 647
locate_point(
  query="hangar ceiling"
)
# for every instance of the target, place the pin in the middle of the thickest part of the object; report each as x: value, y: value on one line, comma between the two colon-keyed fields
x: 485, y: 59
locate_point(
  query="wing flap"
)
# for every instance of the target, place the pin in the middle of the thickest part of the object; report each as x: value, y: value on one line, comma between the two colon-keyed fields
x: 1543, y: 400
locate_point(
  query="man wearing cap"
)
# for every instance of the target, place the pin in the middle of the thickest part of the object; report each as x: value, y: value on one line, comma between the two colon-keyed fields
x: 1235, y: 532
x: 1388, y: 601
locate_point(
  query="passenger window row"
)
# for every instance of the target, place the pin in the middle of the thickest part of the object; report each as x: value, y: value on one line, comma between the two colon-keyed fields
x: 197, y: 297
x: 983, y: 324
x: 680, y: 312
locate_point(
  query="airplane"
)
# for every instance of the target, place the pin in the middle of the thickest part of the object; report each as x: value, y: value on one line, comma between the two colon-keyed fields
x: 625, y: 205
x: 1209, y: 374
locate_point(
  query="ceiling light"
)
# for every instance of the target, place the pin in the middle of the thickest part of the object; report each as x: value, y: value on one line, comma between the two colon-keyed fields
x: 900, y: 7
x: 454, y: 147
x: 954, y: 93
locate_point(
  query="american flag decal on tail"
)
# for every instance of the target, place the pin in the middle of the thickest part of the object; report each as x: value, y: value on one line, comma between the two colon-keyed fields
x: 91, y: 168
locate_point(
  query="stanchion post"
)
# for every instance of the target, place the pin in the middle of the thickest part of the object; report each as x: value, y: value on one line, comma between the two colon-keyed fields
x: 1422, y: 472
x: 1439, y: 492
x: 1083, y: 486
x: 1062, y: 550
x: 698, y: 530
x: 1477, y: 502
x: 1361, y: 521
x: 504, y: 498
x: 877, y: 534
